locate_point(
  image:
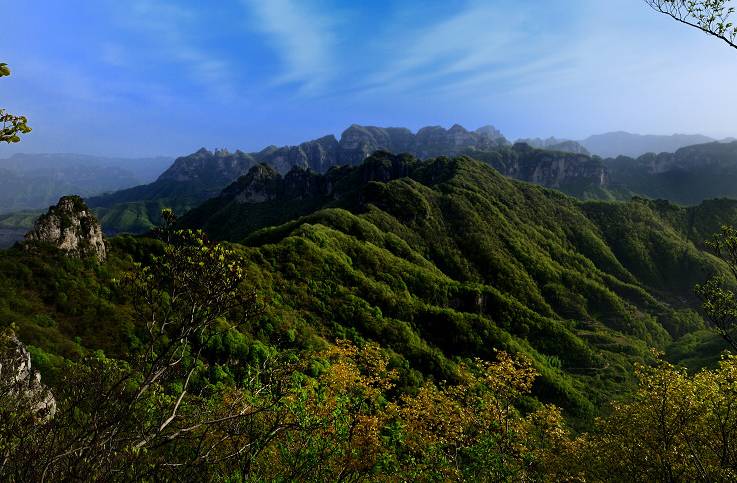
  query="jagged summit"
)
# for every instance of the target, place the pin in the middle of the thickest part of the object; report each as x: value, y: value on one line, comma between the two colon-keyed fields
x: 356, y: 144
x: 489, y: 131
x: 208, y: 167
x: 193, y: 179
x: 71, y: 227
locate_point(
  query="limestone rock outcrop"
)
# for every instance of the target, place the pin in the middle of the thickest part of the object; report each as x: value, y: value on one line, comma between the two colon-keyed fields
x: 71, y: 227
x: 19, y: 383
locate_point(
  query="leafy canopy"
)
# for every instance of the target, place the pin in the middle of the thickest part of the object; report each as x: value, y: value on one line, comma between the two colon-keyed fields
x: 12, y: 125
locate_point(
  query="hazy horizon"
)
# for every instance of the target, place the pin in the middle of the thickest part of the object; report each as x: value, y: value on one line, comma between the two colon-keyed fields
x: 8, y: 152
x: 151, y: 77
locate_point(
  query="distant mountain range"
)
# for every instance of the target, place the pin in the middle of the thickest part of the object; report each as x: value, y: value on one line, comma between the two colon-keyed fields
x: 688, y: 176
x: 202, y: 175
x: 555, y: 144
x: 620, y: 143
x: 613, y: 144
x: 35, y: 181
x: 554, y: 163
x: 576, y: 168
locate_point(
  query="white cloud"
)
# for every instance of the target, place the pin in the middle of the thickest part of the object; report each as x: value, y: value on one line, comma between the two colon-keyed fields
x: 302, y: 37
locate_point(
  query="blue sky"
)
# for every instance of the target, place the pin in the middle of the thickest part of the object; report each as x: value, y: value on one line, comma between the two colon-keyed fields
x: 146, y: 77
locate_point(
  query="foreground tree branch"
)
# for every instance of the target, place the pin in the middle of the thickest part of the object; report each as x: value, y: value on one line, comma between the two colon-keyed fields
x: 713, y: 17
x: 11, y: 125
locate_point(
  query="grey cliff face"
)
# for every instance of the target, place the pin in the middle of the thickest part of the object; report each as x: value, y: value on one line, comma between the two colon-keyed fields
x: 210, y: 172
x: 552, y: 169
x: 20, y: 382
x: 71, y: 227
x: 356, y: 144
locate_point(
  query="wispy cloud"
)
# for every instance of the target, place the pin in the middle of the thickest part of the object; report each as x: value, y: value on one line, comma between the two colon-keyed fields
x: 303, y: 38
x: 479, y: 46
x: 170, y: 27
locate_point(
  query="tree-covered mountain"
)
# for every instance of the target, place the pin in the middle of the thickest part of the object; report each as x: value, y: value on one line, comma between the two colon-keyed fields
x: 449, y: 246
x: 437, y: 261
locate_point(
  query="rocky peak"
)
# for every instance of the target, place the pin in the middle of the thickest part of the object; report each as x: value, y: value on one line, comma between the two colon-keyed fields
x: 359, y: 142
x: 203, y: 166
x: 71, y: 227
x: 436, y: 141
x: 384, y: 167
x: 318, y: 154
x: 259, y: 185
x: 457, y: 129
x: 490, y: 132
x: 356, y: 143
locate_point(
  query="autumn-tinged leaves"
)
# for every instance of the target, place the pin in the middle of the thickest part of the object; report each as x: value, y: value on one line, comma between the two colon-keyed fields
x: 677, y: 427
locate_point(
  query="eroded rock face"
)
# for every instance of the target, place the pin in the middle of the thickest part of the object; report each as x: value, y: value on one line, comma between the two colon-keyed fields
x: 552, y: 169
x: 71, y: 227
x: 19, y: 383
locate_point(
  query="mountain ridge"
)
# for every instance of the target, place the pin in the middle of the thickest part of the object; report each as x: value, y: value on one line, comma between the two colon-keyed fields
x: 586, y: 269
x: 194, y: 178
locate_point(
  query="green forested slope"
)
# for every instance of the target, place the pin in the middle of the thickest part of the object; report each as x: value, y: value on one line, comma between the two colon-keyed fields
x: 438, y: 261
x: 459, y: 258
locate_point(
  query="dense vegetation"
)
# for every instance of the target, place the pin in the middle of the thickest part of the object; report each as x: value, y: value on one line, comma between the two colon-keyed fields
x: 430, y: 320
x: 625, y: 267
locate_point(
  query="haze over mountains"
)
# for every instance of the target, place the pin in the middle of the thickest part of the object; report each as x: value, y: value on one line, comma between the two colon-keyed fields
x: 33, y: 181
x: 620, y: 143
x: 687, y: 176
x: 202, y: 175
